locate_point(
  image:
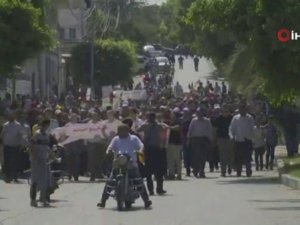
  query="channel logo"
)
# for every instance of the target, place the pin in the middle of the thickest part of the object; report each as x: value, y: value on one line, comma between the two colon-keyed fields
x: 285, y: 35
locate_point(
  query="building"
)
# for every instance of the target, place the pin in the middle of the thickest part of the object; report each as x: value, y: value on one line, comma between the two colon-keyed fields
x: 49, y: 72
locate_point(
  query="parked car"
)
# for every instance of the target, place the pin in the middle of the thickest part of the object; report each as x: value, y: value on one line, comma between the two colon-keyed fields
x: 164, y: 65
x: 142, y: 62
x: 148, y: 48
x: 155, y: 54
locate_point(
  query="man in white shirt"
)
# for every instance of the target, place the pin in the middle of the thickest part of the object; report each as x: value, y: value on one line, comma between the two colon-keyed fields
x: 125, y: 143
x: 241, y: 130
x: 200, y: 134
x: 11, y: 137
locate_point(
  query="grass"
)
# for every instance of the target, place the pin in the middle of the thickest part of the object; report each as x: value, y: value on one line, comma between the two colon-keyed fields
x: 291, y: 161
x: 295, y: 173
x: 292, y: 166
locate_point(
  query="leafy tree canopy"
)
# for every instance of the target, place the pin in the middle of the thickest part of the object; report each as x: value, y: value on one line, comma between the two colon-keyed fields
x: 22, y: 34
x: 246, y: 33
x: 115, y: 62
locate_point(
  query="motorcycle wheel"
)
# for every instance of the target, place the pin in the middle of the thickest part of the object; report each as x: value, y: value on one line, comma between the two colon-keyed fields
x: 120, y: 195
x: 128, y: 204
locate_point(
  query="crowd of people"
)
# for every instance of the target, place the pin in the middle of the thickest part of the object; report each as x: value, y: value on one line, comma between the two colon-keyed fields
x: 208, y: 124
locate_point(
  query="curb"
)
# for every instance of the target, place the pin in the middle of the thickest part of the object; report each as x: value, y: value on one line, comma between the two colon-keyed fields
x: 290, y: 181
x: 286, y: 179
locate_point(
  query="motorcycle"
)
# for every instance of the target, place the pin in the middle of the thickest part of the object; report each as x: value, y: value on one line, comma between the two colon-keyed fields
x: 125, y: 187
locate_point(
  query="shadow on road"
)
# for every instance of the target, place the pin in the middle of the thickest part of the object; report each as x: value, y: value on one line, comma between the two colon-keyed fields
x: 84, y: 182
x: 4, y: 210
x: 252, y: 180
x: 58, y: 200
x: 164, y: 195
x: 133, y: 209
x: 46, y: 207
x: 175, y: 181
x: 281, y: 208
x: 277, y: 201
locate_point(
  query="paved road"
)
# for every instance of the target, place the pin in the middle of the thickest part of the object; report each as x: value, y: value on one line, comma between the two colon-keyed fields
x: 189, y: 75
x: 216, y: 201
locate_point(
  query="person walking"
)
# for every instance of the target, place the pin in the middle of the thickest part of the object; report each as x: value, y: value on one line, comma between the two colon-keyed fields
x: 74, y: 151
x: 200, y: 135
x: 259, y: 145
x: 95, y: 152
x: 154, y: 154
x: 175, y: 146
x: 241, y: 130
x: 271, y: 142
x: 224, y: 89
x: 180, y: 61
x: 186, y: 120
x: 225, y: 145
x: 11, y: 137
x: 40, y: 169
x: 196, y: 63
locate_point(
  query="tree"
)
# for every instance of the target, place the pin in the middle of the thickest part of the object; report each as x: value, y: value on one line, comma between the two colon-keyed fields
x: 22, y: 34
x: 115, y: 62
x: 250, y: 28
x: 141, y: 24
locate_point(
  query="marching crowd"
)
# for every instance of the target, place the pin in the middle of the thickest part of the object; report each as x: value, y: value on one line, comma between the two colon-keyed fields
x: 208, y: 124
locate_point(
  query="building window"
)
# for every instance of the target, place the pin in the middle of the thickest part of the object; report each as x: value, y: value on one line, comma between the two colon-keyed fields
x: 62, y: 33
x: 72, y: 33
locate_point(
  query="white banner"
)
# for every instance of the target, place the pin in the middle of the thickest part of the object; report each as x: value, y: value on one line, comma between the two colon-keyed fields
x: 135, y: 95
x: 106, y: 91
x: 78, y: 131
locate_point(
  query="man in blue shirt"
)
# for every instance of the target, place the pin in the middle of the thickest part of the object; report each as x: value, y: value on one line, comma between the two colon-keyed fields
x: 125, y: 143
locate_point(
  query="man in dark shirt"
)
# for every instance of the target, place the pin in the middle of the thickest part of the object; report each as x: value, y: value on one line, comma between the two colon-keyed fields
x: 225, y: 145
x: 196, y: 63
x: 154, y: 154
x: 186, y: 120
x: 175, y: 146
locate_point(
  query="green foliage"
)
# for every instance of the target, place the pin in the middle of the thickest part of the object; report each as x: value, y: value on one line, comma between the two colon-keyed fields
x: 175, y: 31
x: 271, y: 65
x: 22, y: 34
x: 115, y: 62
x: 137, y: 22
x: 141, y: 25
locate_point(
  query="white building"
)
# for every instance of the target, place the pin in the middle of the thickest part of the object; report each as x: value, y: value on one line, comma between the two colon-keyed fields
x: 50, y: 71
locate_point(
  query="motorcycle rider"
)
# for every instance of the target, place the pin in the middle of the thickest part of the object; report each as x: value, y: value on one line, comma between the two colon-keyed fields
x: 125, y: 143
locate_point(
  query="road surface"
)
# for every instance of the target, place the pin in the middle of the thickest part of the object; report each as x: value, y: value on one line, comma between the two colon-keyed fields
x: 189, y: 75
x: 213, y: 201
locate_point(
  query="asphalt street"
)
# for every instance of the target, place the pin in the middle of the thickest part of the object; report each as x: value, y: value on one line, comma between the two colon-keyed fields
x: 189, y: 75
x: 214, y: 201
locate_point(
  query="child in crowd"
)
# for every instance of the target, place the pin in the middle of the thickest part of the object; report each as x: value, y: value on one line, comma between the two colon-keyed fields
x: 259, y: 145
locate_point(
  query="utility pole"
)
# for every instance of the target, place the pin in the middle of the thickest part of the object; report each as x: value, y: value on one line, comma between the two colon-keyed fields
x: 92, y: 65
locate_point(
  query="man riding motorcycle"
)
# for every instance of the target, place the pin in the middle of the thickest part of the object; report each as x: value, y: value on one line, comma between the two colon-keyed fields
x: 125, y: 143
